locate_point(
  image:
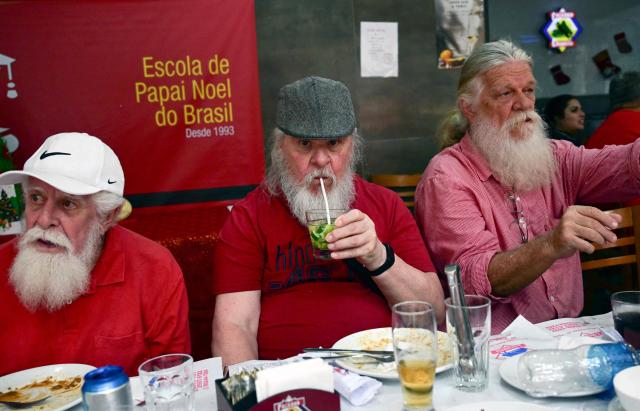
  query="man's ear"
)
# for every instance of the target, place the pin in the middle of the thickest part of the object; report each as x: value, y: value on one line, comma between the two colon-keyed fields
x: 467, y: 109
x: 110, y: 219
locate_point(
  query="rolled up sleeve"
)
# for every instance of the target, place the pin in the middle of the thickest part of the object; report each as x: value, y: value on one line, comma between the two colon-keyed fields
x: 455, y: 229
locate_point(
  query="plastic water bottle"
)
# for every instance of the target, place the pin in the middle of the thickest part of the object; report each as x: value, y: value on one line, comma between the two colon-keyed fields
x: 587, y: 368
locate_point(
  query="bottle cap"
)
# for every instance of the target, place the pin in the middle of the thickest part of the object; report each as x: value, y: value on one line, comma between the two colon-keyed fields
x: 104, y: 378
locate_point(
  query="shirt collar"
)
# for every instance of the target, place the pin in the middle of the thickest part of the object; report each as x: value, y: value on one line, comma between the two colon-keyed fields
x: 110, y: 266
x: 476, y: 158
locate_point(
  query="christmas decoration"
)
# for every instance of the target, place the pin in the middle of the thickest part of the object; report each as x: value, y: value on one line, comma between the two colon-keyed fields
x: 558, y: 76
x: 605, y: 65
x: 562, y: 29
x: 622, y: 43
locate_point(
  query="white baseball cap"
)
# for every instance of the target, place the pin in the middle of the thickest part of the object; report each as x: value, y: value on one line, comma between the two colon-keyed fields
x: 75, y: 163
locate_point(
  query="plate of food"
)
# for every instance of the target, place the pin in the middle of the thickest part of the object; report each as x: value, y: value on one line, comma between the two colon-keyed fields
x: 57, y: 386
x: 379, y: 339
x: 509, y: 373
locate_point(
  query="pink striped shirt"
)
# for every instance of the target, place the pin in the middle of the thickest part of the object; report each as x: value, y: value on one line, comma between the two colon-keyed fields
x: 465, y: 217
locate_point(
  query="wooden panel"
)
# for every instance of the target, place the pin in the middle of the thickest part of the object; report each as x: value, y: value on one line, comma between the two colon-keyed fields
x: 608, y: 262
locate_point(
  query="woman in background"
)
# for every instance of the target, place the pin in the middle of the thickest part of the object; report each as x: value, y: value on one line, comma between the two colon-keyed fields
x: 565, y: 118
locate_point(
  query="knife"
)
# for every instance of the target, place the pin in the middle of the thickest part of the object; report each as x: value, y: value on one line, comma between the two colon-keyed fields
x: 338, y: 350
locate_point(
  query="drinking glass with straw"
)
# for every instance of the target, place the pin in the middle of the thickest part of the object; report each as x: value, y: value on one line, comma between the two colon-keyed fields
x: 320, y: 223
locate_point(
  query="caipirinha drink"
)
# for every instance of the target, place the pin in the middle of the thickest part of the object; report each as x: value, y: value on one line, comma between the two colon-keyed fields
x: 417, y: 378
x: 320, y: 223
x: 318, y: 231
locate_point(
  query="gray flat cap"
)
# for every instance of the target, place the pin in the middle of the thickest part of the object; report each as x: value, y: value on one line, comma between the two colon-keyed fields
x: 315, y: 108
x: 624, y: 88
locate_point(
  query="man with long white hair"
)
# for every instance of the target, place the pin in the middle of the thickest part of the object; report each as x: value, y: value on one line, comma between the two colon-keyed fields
x: 273, y: 297
x: 499, y: 200
x: 76, y: 287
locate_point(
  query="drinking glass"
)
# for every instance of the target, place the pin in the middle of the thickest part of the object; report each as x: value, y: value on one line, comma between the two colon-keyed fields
x: 167, y: 381
x: 471, y: 376
x: 625, y: 306
x: 415, y: 345
x: 319, y: 227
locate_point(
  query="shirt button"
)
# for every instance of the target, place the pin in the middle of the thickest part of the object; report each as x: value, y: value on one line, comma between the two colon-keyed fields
x: 552, y: 298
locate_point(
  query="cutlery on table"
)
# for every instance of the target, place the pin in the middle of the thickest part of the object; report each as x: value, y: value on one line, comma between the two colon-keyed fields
x: 346, y: 350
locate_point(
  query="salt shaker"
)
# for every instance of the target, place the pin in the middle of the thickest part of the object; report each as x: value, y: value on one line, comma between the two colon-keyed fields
x: 585, y: 368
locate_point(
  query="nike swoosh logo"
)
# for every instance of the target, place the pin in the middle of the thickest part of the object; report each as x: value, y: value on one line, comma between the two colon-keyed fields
x: 53, y: 153
x: 111, y: 182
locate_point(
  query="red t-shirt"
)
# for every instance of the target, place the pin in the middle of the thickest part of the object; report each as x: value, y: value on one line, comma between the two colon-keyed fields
x: 307, y: 302
x: 621, y: 127
x: 136, y: 308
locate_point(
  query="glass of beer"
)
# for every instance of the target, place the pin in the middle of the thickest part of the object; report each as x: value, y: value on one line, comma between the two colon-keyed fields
x: 415, y: 347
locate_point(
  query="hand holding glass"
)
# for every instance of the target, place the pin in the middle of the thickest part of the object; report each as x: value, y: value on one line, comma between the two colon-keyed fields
x: 319, y: 226
x: 415, y: 347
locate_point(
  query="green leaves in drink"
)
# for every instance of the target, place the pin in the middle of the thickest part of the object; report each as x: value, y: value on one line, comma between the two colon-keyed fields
x: 318, y: 233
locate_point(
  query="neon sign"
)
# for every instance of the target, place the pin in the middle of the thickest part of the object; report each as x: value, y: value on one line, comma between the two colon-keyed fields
x: 562, y: 29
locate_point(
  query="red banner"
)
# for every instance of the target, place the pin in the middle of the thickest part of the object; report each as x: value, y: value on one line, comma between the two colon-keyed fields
x: 171, y: 86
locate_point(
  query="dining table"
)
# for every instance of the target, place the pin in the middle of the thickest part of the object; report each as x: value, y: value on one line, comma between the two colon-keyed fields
x: 446, y: 396
x: 511, y: 343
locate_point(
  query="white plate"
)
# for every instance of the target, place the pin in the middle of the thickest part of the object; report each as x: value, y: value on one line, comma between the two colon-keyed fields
x: 380, y: 339
x: 499, y: 406
x: 59, y: 402
x: 509, y: 373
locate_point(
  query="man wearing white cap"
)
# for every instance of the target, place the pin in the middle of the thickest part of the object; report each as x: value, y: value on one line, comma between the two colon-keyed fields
x: 75, y: 287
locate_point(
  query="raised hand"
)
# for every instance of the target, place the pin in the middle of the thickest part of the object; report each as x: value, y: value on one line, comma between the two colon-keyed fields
x: 580, y: 227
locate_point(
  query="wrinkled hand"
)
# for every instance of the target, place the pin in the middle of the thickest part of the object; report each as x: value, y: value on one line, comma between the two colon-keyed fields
x: 581, y: 226
x: 355, y: 237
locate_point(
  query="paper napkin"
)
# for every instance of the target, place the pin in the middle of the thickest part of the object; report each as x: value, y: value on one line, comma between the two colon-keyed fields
x: 357, y: 389
x: 312, y: 374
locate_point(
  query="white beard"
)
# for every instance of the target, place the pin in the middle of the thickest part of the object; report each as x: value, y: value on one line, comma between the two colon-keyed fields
x: 521, y: 164
x: 300, y: 198
x: 52, y: 280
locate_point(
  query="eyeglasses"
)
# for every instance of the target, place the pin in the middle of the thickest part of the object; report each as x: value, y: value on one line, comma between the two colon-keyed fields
x: 517, y: 210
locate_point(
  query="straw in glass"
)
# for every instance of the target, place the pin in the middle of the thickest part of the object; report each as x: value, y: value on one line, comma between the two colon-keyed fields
x: 326, y: 203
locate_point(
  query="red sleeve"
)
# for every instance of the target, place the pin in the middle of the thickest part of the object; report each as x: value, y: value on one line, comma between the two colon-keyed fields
x: 239, y: 255
x: 169, y: 333
x: 399, y: 229
x: 408, y: 242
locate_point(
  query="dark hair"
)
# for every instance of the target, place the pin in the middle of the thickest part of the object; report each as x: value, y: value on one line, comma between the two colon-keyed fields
x: 555, y: 108
x: 624, y: 90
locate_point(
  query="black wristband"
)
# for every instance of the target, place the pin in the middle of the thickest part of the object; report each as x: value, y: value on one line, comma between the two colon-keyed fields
x: 388, y: 262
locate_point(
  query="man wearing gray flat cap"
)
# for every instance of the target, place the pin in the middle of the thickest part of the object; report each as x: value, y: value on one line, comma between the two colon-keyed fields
x: 274, y: 297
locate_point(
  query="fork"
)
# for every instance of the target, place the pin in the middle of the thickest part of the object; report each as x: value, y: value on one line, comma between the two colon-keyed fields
x: 361, y: 358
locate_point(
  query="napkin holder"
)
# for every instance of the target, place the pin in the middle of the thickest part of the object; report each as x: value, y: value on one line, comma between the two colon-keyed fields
x: 302, y: 399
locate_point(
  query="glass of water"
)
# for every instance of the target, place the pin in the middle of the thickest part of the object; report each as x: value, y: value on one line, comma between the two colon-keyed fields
x: 168, y: 382
x: 471, y: 374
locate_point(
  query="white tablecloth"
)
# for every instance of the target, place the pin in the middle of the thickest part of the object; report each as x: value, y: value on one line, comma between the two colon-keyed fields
x: 446, y: 396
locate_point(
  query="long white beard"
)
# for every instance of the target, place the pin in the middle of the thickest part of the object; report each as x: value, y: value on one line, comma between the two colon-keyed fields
x: 521, y: 164
x: 300, y: 198
x: 51, y: 280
